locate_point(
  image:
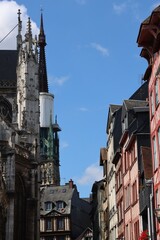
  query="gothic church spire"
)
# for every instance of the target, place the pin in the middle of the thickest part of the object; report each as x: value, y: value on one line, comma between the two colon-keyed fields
x: 43, y: 82
x: 19, y: 36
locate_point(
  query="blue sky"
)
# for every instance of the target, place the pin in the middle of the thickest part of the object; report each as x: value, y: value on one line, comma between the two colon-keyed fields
x: 92, y: 61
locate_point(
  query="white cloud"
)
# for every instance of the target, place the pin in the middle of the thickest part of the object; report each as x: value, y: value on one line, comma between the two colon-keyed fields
x: 58, y: 80
x: 83, y: 109
x: 9, y: 19
x: 104, y: 51
x: 64, y: 145
x: 119, y: 8
x: 91, y: 174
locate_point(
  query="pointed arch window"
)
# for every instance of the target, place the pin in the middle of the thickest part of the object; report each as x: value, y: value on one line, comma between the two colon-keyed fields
x: 5, y: 109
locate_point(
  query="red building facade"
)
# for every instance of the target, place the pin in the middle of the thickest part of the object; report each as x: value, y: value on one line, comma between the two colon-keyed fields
x: 148, y: 39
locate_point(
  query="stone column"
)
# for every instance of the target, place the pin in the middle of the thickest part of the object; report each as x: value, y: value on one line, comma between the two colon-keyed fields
x: 10, y: 184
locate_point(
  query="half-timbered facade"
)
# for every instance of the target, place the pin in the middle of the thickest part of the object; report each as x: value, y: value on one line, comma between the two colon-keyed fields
x: 149, y: 40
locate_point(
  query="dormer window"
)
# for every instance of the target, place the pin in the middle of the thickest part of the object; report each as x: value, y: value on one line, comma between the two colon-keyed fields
x: 48, y: 206
x: 60, y: 205
x: 124, y: 124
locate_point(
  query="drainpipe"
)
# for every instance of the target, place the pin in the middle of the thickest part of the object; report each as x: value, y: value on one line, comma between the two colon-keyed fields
x: 149, y: 183
x: 149, y: 220
x: 153, y: 237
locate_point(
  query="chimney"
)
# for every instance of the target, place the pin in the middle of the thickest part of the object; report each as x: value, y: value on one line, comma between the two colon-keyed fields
x: 70, y: 183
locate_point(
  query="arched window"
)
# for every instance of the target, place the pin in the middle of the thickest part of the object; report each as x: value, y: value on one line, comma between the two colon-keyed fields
x: 5, y: 109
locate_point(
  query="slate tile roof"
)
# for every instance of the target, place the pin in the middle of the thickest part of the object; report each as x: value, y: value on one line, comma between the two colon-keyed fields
x: 8, y: 64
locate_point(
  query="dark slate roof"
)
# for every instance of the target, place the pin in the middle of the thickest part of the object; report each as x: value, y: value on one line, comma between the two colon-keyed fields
x: 141, y: 93
x: 130, y: 104
x: 112, y: 109
x: 8, y: 64
x: 117, y: 129
x: 57, y: 193
x: 97, y: 185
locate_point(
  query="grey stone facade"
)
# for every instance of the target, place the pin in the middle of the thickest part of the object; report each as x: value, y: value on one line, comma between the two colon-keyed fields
x: 19, y: 137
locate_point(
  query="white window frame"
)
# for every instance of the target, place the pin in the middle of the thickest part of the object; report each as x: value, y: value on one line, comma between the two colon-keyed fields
x: 155, y: 156
x: 156, y: 92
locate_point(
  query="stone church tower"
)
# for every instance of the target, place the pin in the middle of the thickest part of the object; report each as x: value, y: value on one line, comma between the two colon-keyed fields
x: 49, y: 140
x: 19, y: 139
x: 29, y: 142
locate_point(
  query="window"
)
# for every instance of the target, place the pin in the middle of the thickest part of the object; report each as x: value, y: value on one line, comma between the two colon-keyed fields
x: 118, y: 179
x: 155, y: 154
x: 49, y: 175
x: 120, y: 210
x: 124, y: 124
x: 45, y: 176
x: 48, y: 224
x: 157, y: 199
x: 127, y: 232
x: 136, y: 230
x: 156, y: 93
x: 60, y: 205
x: 152, y: 104
x: 48, y: 206
x: 60, y: 238
x: 127, y: 196
x: 159, y: 137
x: 60, y: 224
x: 133, y: 153
x: 126, y: 161
x: 134, y: 192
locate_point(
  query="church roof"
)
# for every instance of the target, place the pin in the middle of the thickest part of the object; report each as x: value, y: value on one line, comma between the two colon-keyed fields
x: 8, y: 64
